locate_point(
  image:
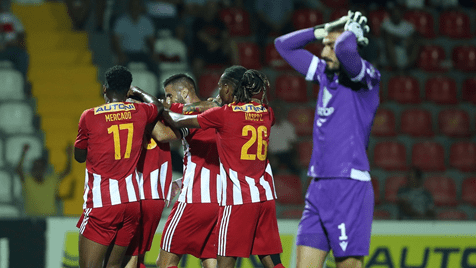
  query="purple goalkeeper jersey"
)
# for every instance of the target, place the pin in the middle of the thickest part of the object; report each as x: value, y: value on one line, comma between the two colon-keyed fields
x: 346, y: 105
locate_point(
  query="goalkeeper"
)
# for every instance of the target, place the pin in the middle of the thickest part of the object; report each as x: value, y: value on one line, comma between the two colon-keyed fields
x: 340, y: 200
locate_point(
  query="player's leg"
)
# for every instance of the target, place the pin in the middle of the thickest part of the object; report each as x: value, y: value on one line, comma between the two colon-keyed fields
x: 125, y: 235
x: 167, y: 259
x: 226, y: 262
x: 117, y: 256
x: 266, y: 241
x: 91, y: 254
x: 311, y: 240
x: 349, y: 219
x: 209, y: 263
x: 236, y: 227
x: 310, y: 257
x: 271, y: 261
x: 350, y: 262
x: 131, y: 261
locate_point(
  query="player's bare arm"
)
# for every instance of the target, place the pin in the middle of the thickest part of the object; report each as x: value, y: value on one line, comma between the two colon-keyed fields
x: 202, y: 106
x: 163, y: 133
x: 80, y: 154
x: 143, y: 96
x: 181, y: 121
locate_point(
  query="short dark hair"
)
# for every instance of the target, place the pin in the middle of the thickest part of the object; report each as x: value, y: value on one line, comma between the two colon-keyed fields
x: 179, y: 78
x: 118, y: 79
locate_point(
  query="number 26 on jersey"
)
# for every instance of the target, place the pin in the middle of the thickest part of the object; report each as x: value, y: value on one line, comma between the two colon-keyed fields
x: 257, y: 135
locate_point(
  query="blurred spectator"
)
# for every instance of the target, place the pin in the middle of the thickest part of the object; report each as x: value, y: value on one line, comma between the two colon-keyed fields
x: 170, y: 51
x: 194, y: 7
x: 211, y: 42
x: 133, y: 37
x: 78, y: 11
x: 442, y: 4
x: 40, y: 188
x: 12, y: 40
x: 414, y: 201
x: 282, y: 140
x: 371, y: 52
x: 401, y: 40
x: 164, y: 13
x: 274, y: 17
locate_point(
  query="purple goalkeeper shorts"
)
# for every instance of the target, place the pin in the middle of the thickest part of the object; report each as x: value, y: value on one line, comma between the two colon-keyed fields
x: 338, y: 216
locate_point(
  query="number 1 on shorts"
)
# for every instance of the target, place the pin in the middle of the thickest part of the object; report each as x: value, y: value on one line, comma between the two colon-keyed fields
x: 342, y: 236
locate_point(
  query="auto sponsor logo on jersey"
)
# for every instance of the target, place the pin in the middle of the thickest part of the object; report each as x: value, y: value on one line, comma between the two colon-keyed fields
x: 114, y: 107
x: 249, y: 108
x: 324, y: 111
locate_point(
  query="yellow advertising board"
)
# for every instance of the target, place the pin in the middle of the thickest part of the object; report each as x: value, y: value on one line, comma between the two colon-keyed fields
x: 394, y: 244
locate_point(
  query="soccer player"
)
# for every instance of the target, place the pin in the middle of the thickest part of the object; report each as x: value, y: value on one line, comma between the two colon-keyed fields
x: 110, y: 140
x: 340, y: 200
x: 191, y: 223
x: 155, y: 176
x: 247, y: 221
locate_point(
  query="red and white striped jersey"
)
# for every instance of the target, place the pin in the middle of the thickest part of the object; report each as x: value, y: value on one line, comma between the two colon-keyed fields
x: 113, y: 136
x: 155, y: 171
x: 242, y: 131
x: 201, y: 173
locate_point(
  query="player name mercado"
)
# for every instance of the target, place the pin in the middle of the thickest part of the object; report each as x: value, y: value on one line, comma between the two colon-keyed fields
x: 254, y: 117
x: 118, y: 116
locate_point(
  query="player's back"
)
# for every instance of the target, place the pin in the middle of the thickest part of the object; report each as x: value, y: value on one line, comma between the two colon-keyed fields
x: 243, y: 149
x: 155, y: 169
x: 113, y: 135
x: 201, y: 181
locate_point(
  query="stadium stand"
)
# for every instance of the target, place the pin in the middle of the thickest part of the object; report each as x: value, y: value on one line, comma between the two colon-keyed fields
x: 289, y: 189
x: 463, y: 156
x: 376, y: 187
x: 7, y: 187
x: 305, y: 18
x: 464, y: 58
x: 291, y: 88
x: 454, y: 123
x: 468, y: 90
x: 384, y: 123
x: 237, y: 21
x: 431, y: 58
x: 416, y: 122
x: 454, y: 24
x: 468, y: 191
x: 441, y: 90
x: 304, y: 152
x: 428, y: 156
x: 249, y: 55
x: 423, y: 22
x: 274, y: 60
x: 451, y: 214
x: 12, y: 86
x: 404, y: 89
x: 302, y: 119
x: 376, y: 18
x: 16, y: 117
x: 392, y: 184
x: 443, y: 190
x: 390, y: 155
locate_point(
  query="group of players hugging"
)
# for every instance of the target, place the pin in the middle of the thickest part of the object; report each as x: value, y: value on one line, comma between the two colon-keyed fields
x: 226, y: 203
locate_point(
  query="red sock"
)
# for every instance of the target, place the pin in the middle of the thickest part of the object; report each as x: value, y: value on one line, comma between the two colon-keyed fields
x: 172, y: 267
x: 142, y: 265
x: 279, y: 266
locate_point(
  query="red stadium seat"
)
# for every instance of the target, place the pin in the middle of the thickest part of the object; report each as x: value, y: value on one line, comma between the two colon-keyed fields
x: 208, y: 83
x: 274, y: 60
x: 237, y: 21
x: 468, y: 193
x: 390, y: 155
x: 249, y: 54
x: 302, y: 119
x: 431, y: 57
x: 305, y: 18
x: 336, y: 3
x: 441, y: 90
x: 443, y: 190
x: 288, y: 189
x: 464, y: 58
x: 291, y: 88
x: 376, y: 18
x: 305, y: 152
x: 404, y: 89
x: 423, y: 22
x: 454, y: 123
x: 315, y: 48
x: 380, y: 214
x: 376, y: 186
x: 338, y: 13
x: 452, y: 215
x: 469, y: 90
x: 392, y: 185
x: 384, y: 123
x: 416, y: 122
x: 455, y: 24
x: 428, y: 156
x: 463, y: 156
